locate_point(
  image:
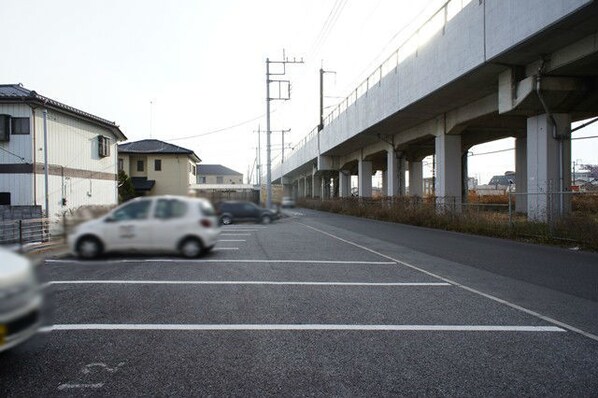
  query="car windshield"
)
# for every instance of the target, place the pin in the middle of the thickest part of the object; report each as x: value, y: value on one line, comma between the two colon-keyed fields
x: 138, y: 210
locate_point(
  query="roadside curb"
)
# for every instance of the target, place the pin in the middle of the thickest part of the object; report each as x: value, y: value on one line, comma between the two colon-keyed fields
x: 40, y: 252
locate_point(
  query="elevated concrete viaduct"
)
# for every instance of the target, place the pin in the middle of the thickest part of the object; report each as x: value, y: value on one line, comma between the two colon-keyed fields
x: 494, y: 69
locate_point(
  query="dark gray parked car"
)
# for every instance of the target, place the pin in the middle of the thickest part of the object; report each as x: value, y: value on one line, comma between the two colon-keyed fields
x: 237, y: 211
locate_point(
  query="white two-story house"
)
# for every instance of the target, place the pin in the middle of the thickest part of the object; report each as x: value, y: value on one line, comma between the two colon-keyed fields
x: 78, y: 148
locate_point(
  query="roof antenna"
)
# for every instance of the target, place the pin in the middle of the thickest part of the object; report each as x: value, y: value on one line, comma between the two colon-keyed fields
x: 151, y: 117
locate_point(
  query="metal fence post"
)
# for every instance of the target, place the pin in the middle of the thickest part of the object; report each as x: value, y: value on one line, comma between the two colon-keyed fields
x: 21, y: 236
x: 64, y: 231
x: 510, y: 210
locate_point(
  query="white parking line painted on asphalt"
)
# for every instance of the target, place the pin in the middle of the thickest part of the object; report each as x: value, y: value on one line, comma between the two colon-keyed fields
x: 243, y: 226
x: 129, y: 282
x: 301, y: 327
x: 219, y: 249
x: 67, y: 386
x: 227, y: 234
x: 249, y: 261
x: 232, y: 240
x: 469, y: 289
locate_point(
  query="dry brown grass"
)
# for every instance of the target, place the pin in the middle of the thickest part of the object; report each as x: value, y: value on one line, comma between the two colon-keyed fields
x: 578, y: 228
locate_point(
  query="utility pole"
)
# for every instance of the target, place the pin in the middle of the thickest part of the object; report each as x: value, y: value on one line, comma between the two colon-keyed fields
x: 282, y: 133
x: 259, y: 157
x: 47, y: 193
x: 281, y: 96
x: 322, y: 72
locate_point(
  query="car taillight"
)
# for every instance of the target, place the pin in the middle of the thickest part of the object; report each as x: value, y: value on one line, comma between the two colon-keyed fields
x: 206, y: 223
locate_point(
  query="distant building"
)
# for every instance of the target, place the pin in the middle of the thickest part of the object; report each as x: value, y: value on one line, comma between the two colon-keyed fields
x: 217, y: 174
x: 158, y: 168
x: 501, y: 181
x: 81, y: 153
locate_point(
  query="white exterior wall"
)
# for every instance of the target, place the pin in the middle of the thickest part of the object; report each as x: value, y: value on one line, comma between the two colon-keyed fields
x: 19, y: 185
x: 18, y: 144
x: 78, y: 192
x: 73, y: 144
x: 226, y: 179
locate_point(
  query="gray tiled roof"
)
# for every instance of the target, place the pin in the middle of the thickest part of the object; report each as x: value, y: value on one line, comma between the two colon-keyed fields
x: 16, y: 92
x: 155, y: 146
x: 142, y: 183
x: 216, y: 169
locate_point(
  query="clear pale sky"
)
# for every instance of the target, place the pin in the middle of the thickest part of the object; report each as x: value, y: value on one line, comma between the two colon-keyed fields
x: 202, y: 65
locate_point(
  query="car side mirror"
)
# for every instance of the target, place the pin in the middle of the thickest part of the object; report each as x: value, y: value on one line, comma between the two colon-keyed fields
x: 109, y: 219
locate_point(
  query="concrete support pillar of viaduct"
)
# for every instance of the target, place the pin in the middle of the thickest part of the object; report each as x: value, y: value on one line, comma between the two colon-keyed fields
x: 448, y: 171
x: 364, y: 168
x: 548, y: 167
x: 325, y: 187
x: 402, y: 168
x: 391, y: 176
x: 316, y: 189
x: 416, y: 178
x: 303, y: 187
x: 385, y: 183
x: 300, y: 187
x: 344, y: 184
x: 520, y: 174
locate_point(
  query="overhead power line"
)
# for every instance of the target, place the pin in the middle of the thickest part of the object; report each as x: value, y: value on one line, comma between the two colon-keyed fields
x: 328, y: 25
x: 492, y: 152
x: 220, y: 129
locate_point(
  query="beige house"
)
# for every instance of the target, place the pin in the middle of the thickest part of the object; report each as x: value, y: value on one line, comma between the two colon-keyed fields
x: 217, y: 174
x: 158, y: 168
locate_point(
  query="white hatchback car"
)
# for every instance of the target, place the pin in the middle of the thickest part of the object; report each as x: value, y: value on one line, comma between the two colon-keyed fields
x: 20, y: 300
x: 188, y: 226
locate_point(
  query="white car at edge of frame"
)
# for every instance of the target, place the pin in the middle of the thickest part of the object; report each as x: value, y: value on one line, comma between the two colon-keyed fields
x: 20, y: 300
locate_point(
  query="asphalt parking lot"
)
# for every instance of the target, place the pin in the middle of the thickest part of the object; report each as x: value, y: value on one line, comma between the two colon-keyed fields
x: 299, y: 307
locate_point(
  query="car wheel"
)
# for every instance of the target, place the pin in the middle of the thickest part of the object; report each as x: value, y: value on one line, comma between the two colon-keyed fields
x: 266, y: 219
x: 226, y: 220
x: 89, y: 247
x: 191, y: 248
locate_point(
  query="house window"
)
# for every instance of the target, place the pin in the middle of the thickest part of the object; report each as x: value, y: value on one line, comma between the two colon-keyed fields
x: 5, y: 198
x: 193, y: 169
x: 140, y: 165
x: 103, y: 146
x: 201, y: 180
x: 20, y: 125
x: 4, y: 127
x: 121, y: 165
x: 158, y: 164
x: 219, y: 180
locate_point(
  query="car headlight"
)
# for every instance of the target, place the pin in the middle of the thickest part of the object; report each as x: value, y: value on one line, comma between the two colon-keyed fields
x: 13, y: 297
